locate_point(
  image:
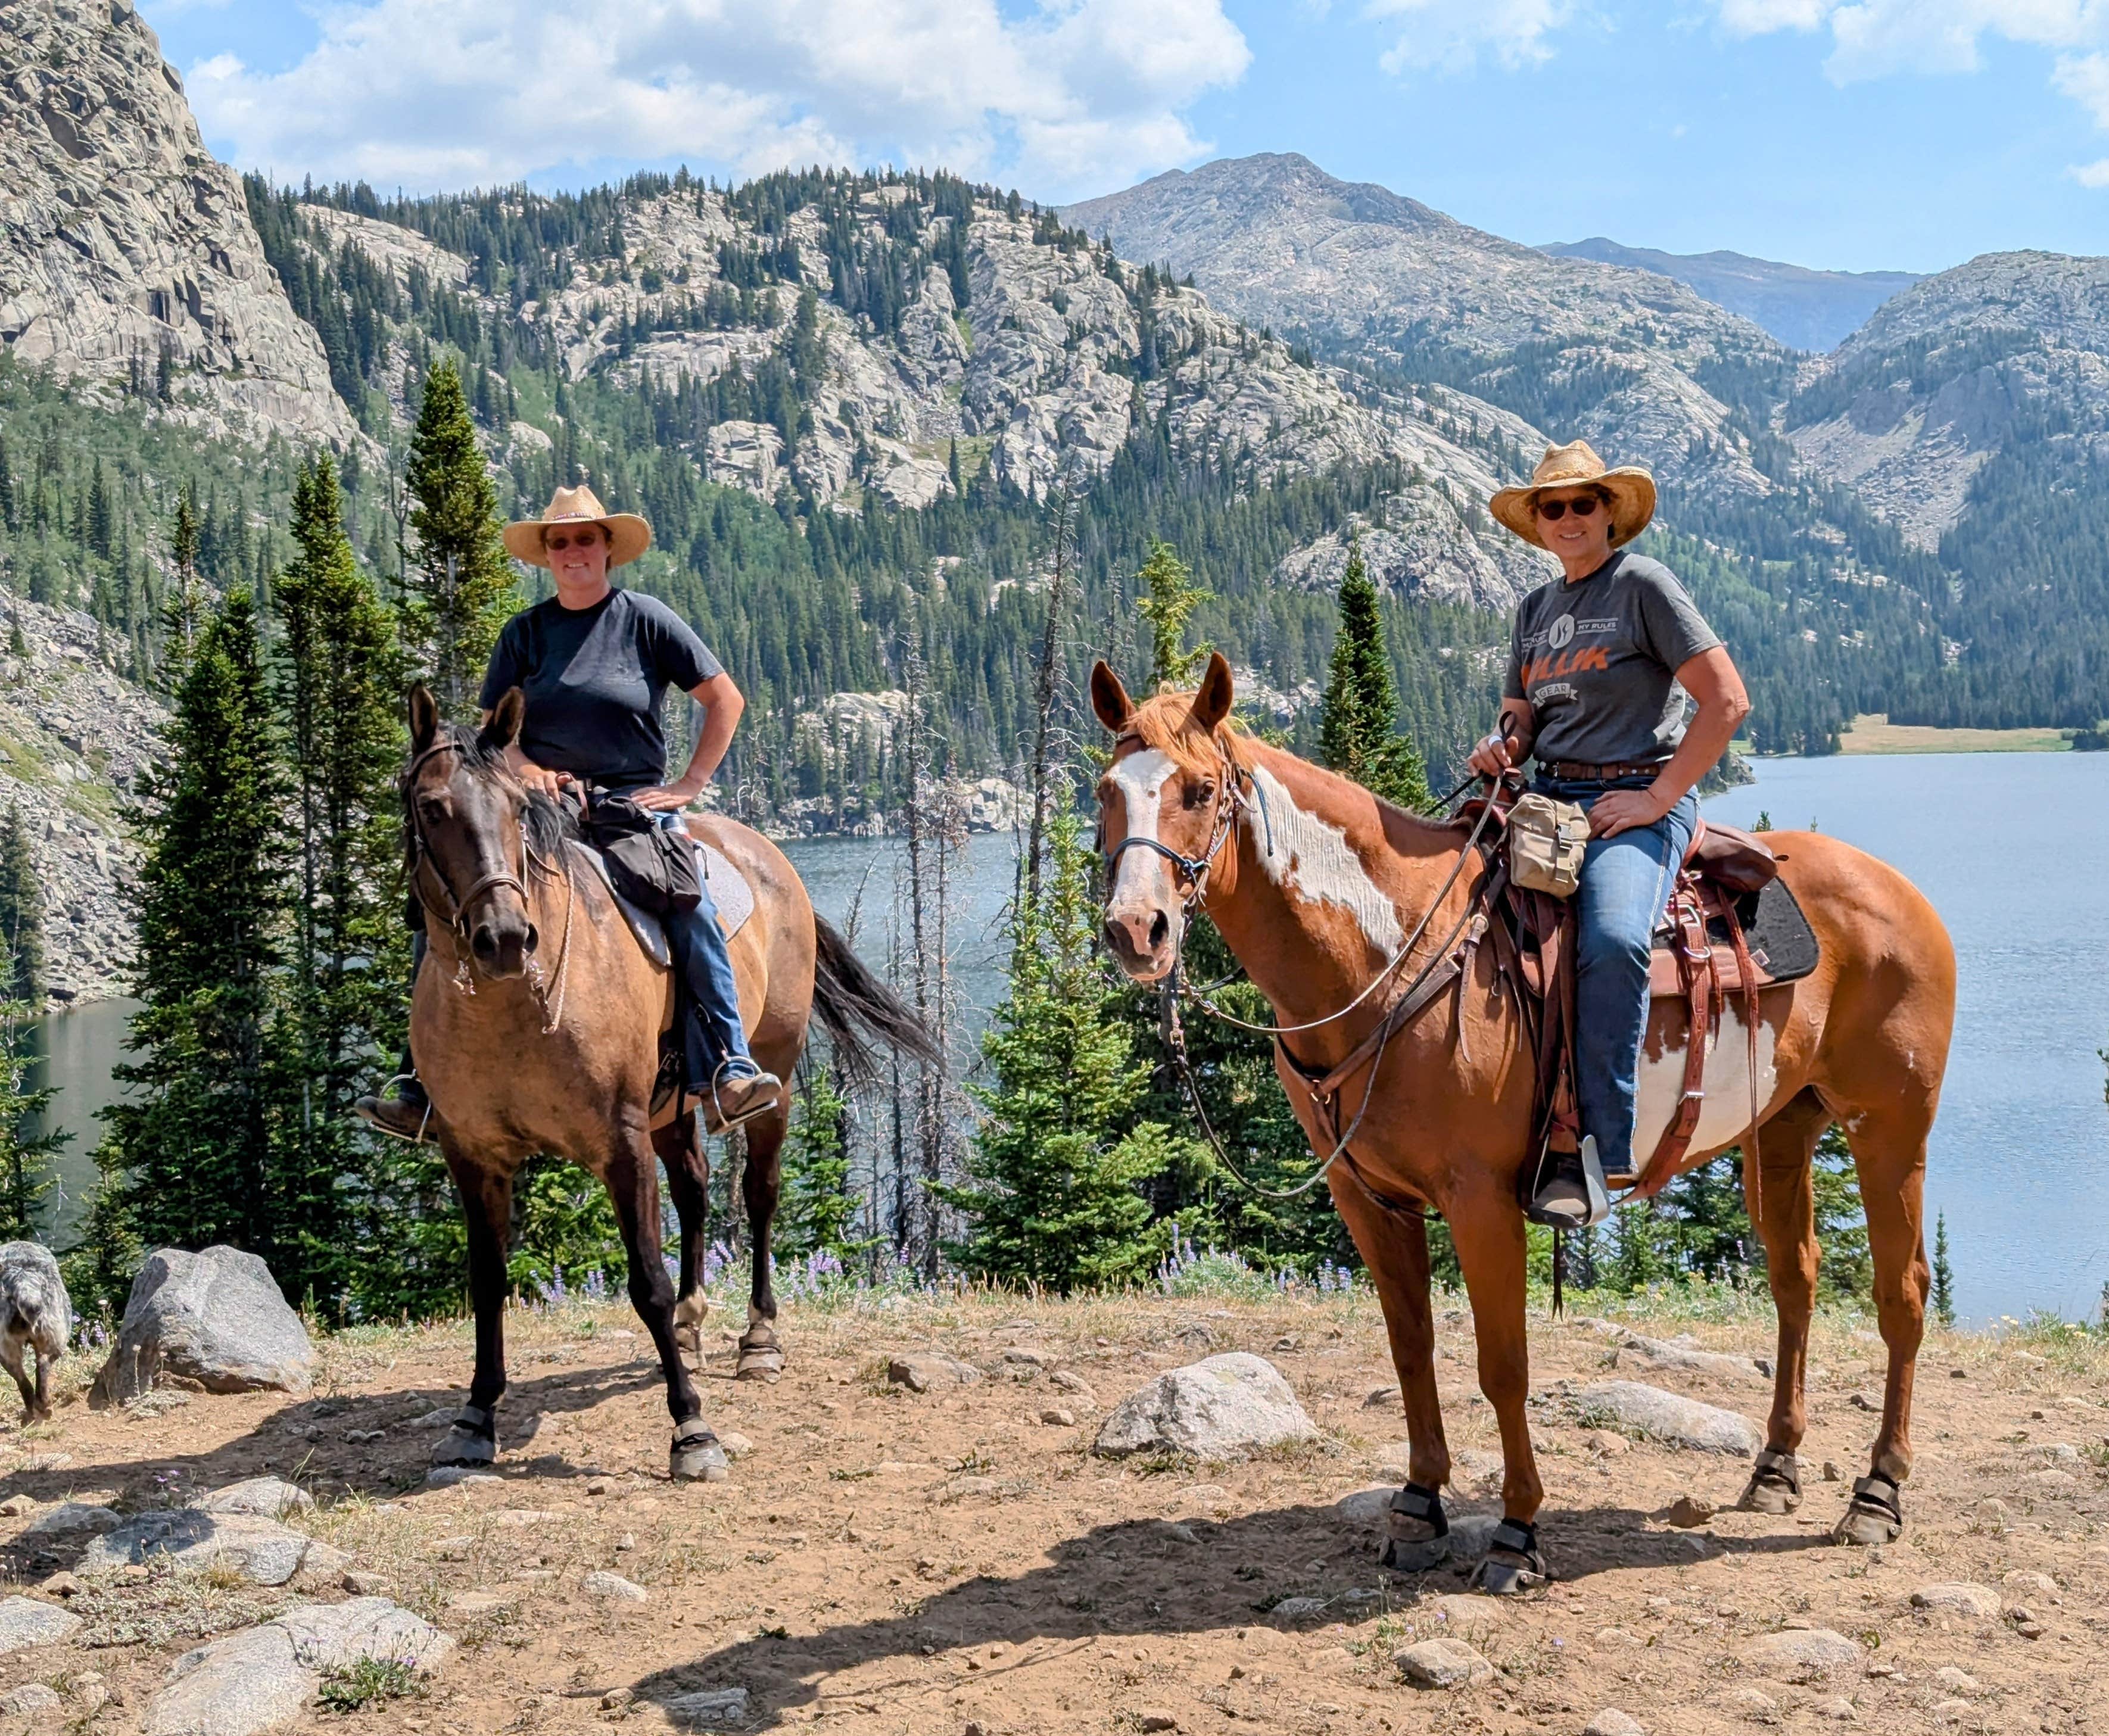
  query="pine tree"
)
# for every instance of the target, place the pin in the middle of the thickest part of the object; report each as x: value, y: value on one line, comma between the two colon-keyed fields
x: 26, y: 1158
x: 1054, y: 1191
x: 337, y: 673
x: 458, y: 580
x: 1944, y: 1275
x: 21, y: 915
x: 1171, y: 597
x: 818, y: 1205
x: 1846, y: 1271
x: 185, y: 1157
x: 1357, y: 733
x: 186, y: 603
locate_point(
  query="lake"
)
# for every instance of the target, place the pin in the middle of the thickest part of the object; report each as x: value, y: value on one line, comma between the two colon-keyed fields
x: 2022, y: 1140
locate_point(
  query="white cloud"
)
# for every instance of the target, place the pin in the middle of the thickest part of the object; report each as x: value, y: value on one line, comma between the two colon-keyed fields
x: 431, y: 94
x: 1453, y: 34
x: 1873, y: 38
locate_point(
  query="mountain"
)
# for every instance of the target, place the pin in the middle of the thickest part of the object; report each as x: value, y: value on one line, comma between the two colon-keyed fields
x: 128, y: 252
x: 1645, y: 368
x: 1805, y: 309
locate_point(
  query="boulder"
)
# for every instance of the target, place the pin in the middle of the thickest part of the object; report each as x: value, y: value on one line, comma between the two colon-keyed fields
x: 1442, y: 1663
x: 267, y: 1497
x: 1222, y: 1407
x: 260, y: 1550
x: 1636, y: 1351
x: 1798, y: 1650
x: 24, y: 1622
x: 30, y: 1701
x: 259, y: 1679
x: 1667, y: 1418
x: 72, y: 1519
x: 215, y: 1318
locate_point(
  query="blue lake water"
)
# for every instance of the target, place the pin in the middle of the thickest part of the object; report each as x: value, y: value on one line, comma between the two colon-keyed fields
x: 2020, y: 1156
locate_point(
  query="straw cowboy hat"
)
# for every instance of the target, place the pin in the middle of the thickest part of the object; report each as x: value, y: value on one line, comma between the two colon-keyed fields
x: 1630, y: 489
x: 628, y: 535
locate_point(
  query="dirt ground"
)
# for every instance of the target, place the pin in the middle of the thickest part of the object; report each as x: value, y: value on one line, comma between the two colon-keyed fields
x: 887, y: 1561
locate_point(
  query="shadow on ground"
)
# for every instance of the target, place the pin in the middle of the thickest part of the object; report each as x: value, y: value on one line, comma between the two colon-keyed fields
x: 1141, y: 1578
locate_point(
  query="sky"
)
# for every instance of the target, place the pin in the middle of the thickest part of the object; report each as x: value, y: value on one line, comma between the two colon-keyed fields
x: 1849, y: 134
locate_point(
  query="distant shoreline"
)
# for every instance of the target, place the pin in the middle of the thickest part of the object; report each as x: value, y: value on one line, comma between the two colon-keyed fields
x: 1872, y: 732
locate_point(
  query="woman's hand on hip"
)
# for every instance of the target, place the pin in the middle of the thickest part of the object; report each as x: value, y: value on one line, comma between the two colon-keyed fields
x: 1620, y: 810
x: 665, y: 797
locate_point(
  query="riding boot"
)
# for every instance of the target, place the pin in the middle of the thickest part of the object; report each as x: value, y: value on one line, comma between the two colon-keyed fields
x: 408, y: 1115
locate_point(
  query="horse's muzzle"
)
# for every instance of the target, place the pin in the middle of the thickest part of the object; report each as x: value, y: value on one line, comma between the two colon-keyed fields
x: 502, y: 943
x: 1144, y: 939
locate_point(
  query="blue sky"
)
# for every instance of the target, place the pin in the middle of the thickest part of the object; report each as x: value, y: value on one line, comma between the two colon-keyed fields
x: 1856, y: 134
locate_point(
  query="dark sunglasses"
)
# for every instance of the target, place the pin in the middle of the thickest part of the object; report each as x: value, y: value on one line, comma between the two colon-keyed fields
x: 586, y: 538
x: 1553, y: 511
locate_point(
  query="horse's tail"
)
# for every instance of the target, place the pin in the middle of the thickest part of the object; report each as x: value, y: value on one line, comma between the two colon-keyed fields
x: 853, y: 1006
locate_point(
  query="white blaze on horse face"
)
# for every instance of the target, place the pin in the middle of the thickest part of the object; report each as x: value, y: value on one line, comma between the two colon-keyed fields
x: 1304, y: 854
x: 1140, y: 778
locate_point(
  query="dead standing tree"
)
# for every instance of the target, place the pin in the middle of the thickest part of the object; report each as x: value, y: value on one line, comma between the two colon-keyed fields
x: 1065, y: 504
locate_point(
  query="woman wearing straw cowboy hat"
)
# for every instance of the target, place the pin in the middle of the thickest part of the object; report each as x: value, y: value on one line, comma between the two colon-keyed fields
x: 594, y: 662
x: 1595, y: 662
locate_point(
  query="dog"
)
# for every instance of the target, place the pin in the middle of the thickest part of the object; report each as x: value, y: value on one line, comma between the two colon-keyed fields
x: 34, y: 1310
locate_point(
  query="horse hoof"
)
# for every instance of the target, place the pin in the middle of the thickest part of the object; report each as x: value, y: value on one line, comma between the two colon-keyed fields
x: 762, y: 1361
x: 1775, y: 1485
x: 697, y: 1456
x: 1866, y: 1526
x: 1507, y: 1576
x: 463, y: 1446
x: 1404, y: 1555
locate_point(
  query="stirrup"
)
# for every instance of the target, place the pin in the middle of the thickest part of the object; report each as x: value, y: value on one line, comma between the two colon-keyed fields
x: 380, y: 1100
x: 1597, y: 1198
x: 720, y: 1122
x: 1526, y: 1570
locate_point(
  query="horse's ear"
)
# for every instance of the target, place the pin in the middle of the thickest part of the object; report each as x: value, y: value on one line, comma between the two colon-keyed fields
x: 424, y: 718
x: 501, y: 729
x: 1211, y: 705
x: 1109, y: 699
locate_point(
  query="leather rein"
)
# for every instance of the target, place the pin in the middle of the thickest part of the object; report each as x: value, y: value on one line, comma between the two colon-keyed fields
x: 455, y: 916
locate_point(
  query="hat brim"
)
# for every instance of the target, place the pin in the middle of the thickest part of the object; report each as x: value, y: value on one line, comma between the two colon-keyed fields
x: 1633, y: 504
x: 628, y: 537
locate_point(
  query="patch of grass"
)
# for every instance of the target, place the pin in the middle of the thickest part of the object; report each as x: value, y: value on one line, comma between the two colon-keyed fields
x: 368, y: 1681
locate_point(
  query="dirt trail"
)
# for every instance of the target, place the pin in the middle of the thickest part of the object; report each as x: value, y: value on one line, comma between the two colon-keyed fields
x: 893, y: 1561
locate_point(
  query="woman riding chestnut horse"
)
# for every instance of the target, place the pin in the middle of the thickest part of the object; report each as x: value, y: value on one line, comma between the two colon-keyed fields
x: 1334, y: 901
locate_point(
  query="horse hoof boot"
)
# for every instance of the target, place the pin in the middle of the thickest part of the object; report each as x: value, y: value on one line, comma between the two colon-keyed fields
x: 1775, y: 1484
x: 1417, y: 1531
x: 697, y: 1456
x: 1877, y: 1514
x: 762, y: 1361
x: 473, y: 1440
x: 1513, y: 1565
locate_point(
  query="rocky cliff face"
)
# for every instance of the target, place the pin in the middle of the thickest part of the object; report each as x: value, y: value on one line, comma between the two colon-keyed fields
x: 1367, y: 273
x: 2009, y: 348
x: 75, y: 737
x: 126, y: 243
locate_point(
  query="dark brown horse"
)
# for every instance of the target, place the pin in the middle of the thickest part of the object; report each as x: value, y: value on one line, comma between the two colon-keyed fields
x: 535, y: 1024
x: 1316, y: 885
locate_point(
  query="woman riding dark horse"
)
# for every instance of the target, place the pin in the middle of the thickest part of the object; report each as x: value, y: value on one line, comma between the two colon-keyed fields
x: 594, y: 662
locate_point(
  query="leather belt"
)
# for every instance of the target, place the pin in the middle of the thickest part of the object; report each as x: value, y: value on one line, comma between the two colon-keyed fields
x: 1579, y: 773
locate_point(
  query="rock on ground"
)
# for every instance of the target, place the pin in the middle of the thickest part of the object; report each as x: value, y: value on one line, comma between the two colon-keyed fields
x: 215, y: 1318
x: 25, y: 1623
x: 268, y: 1497
x: 1612, y: 1722
x: 1796, y: 1649
x: 260, y: 1678
x: 1960, y: 1598
x: 1220, y: 1407
x: 1667, y: 1418
x: 920, y: 1373
x: 29, y: 1700
x: 1636, y: 1351
x: 706, y: 1707
x: 70, y: 1519
x: 613, y: 1587
x: 1442, y: 1663
x: 260, y: 1550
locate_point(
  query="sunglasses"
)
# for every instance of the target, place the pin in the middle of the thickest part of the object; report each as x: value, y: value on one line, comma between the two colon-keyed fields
x: 1553, y: 511
x: 586, y: 538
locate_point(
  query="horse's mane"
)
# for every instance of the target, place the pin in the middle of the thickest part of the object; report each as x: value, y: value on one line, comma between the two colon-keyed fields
x: 1166, y: 723
x: 550, y: 823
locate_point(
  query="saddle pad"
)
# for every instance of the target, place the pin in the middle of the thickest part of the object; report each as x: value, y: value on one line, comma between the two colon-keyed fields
x: 1782, y: 944
x: 729, y: 890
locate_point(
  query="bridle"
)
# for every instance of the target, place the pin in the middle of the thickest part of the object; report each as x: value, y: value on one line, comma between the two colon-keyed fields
x: 455, y: 915
x: 1193, y: 870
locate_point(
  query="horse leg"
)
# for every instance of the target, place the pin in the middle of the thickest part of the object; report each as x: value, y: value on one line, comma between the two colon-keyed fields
x: 1489, y: 1231
x: 1787, y: 1220
x: 687, y: 1180
x: 12, y: 1354
x: 633, y: 1186
x: 1395, y: 1249
x: 1888, y: 1151
x: 487, y: 1197
x: 760, y: 1356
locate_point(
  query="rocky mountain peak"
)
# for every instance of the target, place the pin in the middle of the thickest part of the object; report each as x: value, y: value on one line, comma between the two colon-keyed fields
x: 130, y: 254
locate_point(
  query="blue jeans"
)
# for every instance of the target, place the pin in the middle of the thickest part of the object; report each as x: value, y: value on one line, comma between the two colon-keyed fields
x: 1626, y: 882
x: 714, y: 1037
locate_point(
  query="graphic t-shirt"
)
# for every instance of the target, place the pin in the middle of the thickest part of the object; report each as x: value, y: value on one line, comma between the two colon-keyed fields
x: 1597, y: 659
x: 594, y: 680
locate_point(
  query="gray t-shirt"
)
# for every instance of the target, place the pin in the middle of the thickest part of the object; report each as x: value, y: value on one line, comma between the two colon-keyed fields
x: 1597, y: 659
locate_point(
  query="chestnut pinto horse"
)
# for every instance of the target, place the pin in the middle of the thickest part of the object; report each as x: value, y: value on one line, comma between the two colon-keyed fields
x: 1314, y: 884
x: 535, y: 1024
